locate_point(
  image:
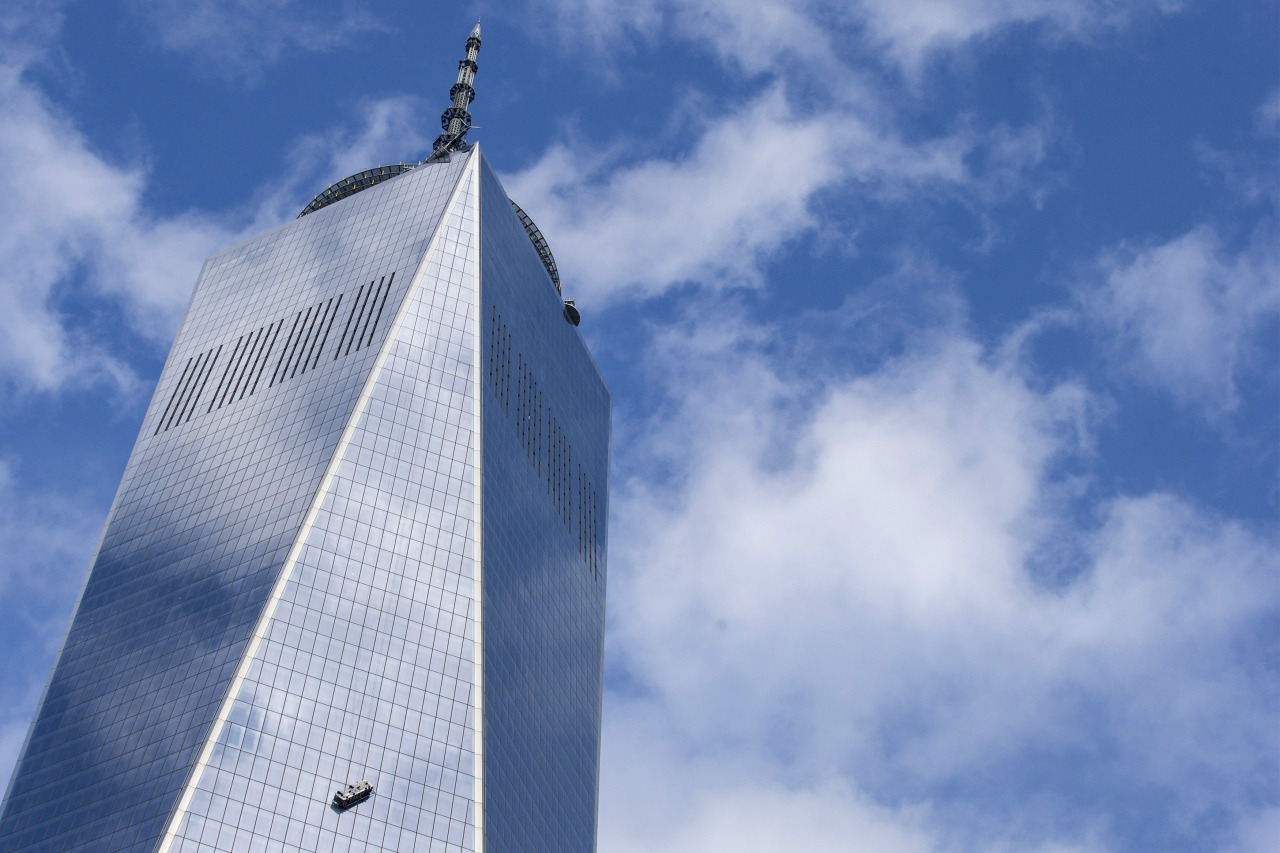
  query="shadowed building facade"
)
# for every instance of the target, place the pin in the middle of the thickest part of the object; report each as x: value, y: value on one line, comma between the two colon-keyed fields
x: 361, y: 537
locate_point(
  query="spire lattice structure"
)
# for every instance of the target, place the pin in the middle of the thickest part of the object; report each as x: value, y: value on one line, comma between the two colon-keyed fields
x: 456, y: 120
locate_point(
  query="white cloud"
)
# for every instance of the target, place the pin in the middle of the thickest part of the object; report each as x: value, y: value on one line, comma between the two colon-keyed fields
x: 1185, y: 315
x: 843, y: 586
x: 70, y: 217
x: 716, y: 214
x: 236, y: 38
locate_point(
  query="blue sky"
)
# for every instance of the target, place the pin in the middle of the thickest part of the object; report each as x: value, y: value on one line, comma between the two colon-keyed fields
x: 943, y: 339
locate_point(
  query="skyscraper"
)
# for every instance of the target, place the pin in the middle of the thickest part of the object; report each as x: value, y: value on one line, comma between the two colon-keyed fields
x: 360, y: 538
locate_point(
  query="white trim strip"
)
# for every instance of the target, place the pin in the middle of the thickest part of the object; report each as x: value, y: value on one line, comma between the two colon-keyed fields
x: 286, y: 573
x: 478, y: 496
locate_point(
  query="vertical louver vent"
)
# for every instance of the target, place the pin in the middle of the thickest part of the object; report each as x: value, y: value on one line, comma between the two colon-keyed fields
x: 544, y: 441
x: 244, y: 370
x: 183, y: 400
x: 360, y: 333
x: 277, y: 352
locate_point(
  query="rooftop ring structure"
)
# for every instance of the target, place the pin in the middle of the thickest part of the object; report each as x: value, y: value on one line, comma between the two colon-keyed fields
x: 353, y: 184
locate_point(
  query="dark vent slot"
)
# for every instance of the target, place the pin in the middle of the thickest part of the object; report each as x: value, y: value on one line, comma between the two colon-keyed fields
x: 208, y: 371
x: 383, y: 304
x: 360, y: 312
x: 544, y: 440
x: 195, y: 387
x: 333, y: 315
x: 236, y: 355
x: 522, y: 407
x: 368, y: 324
x: 568, y: 484
x: 291, y: 348
x: 370, y: 306
x: 595, y: 538
x: 505, y: 370
x: 493, y: 343
x: 310, y: 337
x: 186, y: 390
x: 266, y: 357
x: 588, y: 524
x: 239, y: 381
x: 347, y: 328
x: 174, y: 396
x: 192, y: 381
x: 315, y: 338
x: 285, y: 353
x: 252, y: 353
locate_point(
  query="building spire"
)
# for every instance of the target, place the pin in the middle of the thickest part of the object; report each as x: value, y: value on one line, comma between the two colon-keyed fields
x: 456, y: 121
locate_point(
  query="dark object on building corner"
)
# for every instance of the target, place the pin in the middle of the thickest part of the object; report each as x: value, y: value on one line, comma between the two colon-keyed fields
x: 571, y: 312
x: 352, y: 794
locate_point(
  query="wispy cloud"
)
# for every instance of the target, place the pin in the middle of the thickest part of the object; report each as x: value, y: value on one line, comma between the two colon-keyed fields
x: 747, y: 187
x: 1189, y: 316
x: 913, y: 31
x: 74, y: 223
x: 766, y: 37
x: 236, y: 39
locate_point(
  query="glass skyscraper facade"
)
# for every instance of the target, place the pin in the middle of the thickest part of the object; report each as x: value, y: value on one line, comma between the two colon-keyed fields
x: 361, y: 536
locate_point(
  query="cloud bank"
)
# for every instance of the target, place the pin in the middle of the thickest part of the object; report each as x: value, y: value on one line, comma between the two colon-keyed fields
x: 850, y: 586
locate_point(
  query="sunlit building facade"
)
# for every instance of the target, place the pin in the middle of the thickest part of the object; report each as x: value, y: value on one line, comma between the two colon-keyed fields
x: 361, y: 538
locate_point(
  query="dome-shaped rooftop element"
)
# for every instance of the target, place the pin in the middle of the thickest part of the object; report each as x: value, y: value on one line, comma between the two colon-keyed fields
x: 354, y: 184
x: 539, y: 243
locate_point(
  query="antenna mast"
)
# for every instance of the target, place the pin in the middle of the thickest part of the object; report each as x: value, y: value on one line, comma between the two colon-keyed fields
x: 456, y: 120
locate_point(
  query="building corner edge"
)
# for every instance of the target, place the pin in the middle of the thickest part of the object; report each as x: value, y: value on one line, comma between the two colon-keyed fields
x: 473, y: 173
